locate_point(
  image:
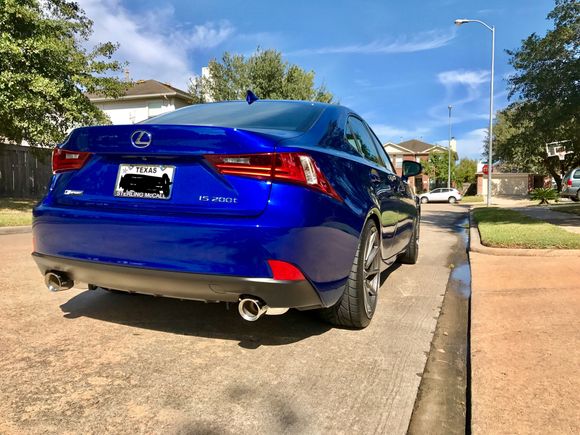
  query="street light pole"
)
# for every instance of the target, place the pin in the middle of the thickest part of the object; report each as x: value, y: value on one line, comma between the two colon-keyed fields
x: 490, y: 139
x: 449, y: 150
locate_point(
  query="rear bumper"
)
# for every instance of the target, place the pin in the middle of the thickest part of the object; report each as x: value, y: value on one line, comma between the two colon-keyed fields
x: 276, y: 294
x: 569, y: 191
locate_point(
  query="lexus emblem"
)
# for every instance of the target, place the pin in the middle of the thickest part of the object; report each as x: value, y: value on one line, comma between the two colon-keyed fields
x: 141, y: 139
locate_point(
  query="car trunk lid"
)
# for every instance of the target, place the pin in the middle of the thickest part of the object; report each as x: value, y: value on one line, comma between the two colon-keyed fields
x: 162, y: 169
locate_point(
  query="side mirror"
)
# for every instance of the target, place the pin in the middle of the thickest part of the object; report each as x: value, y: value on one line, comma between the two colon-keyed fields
x: 411, y: 168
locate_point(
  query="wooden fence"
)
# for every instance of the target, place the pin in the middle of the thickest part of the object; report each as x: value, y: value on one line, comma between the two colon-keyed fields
x: 23, y: 173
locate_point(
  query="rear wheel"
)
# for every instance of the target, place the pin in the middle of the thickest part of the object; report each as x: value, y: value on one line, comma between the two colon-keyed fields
x: 577, y: 197
x: 357, y: 305
x: 411, y: 255
x: 424, y: 200
x: 452, y: 200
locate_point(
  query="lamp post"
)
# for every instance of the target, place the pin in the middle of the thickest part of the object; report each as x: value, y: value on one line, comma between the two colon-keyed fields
x: 449, y: 150
x: 490, y: 133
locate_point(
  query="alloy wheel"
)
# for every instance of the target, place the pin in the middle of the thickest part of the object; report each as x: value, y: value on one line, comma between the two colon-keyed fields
x: 371, y: 272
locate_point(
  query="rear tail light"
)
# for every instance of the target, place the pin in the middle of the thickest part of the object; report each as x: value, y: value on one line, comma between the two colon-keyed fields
x: 285, y: 271
x: 297, y: 168
x: 64, y: 160
x: 569, y: 183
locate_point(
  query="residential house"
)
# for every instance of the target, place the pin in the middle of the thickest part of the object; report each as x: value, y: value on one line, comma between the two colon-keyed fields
x: 146, y: 98
x: 414, y: 150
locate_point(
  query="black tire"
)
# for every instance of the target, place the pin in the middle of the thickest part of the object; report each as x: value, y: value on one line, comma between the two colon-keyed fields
x: 411, y: 255
x: 357, y: 305
x: 424, y: 200
x: 577, y: 197
x: 452, y: 200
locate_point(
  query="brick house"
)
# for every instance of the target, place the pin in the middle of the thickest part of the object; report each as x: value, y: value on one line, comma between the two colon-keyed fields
x: 413, y: 150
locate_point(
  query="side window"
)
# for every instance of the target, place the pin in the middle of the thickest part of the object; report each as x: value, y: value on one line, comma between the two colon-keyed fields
x: 382, y: 152
x: 365, y: 140
x: 577, y: 174
x: 351, y: 140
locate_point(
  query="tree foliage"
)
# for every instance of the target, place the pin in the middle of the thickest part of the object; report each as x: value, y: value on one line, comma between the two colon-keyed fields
x: 437, y: 167
x: 264, y: 72
x: 466, y: 170
x: 546, y: 89
x: 516, y: 145
x: 45, y: 70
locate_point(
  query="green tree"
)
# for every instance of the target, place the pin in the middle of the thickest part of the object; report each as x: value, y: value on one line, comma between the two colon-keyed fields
x: 515, y: 145
x: 437, y: 167
x: 465, y: 171
x: 45, y: 70
x: 546, y: 88
x: 264, y: 72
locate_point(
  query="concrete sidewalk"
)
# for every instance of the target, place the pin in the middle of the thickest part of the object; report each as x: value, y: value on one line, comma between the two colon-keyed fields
x: 16, y: 230
x: 567, y: 221
x: 525, y: 331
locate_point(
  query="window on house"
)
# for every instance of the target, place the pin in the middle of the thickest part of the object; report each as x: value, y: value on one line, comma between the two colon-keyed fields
x: 398, y: 162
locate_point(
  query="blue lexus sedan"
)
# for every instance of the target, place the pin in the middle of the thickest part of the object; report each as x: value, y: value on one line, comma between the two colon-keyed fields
x: 273, y: 205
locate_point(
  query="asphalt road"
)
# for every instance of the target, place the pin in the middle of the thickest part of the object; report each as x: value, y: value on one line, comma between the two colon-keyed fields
x: 81, y: 361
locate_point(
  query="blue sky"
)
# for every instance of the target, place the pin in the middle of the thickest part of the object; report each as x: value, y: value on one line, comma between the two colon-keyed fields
x: 397, y: 63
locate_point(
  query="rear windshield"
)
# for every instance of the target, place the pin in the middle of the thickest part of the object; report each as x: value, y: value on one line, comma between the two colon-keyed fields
x: 277, y: 115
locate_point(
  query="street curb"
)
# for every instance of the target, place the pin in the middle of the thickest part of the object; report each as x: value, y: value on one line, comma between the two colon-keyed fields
x: 476, y: 246
x: 16, y: 230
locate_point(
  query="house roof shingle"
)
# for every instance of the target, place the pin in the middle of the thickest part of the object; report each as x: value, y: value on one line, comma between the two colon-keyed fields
x: 147, y: 88
x: 417, y: 146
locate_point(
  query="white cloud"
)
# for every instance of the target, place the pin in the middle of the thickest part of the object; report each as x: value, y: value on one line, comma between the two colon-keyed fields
x: 462, y: 88
x: 470, y: 144
x: 208, y: 35
x: 471, y: 79
x: 388, y: 133
x: 420, y: 42
x: 154, y: 47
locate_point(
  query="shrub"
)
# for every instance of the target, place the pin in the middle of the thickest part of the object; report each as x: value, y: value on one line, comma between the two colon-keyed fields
x: 544, y: 195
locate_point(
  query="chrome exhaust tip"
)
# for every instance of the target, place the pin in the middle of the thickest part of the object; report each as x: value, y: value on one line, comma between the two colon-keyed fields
x: 252, y: 309
x: 58, y: 281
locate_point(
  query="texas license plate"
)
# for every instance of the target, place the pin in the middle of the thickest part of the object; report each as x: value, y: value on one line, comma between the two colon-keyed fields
x: 144, y: 181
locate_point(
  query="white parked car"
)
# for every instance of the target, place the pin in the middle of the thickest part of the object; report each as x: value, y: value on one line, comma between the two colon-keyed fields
x: 441, y: 195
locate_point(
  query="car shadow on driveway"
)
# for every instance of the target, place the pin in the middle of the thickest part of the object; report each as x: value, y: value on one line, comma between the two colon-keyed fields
x: 210, y: 320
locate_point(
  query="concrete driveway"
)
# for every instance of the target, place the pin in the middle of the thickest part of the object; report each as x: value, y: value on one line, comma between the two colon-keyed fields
x: 82, y: 361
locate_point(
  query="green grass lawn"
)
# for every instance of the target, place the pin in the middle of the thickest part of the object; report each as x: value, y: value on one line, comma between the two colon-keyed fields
x: 16, y: 212
x: 504, y: 228
x: 566, y: 208
x: 472, y: 198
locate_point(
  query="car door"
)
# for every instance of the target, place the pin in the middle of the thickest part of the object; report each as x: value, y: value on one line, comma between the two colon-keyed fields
x: 439, y: 195
x: 383, y: 181
x: 446, y: 194
x: 407, y: 204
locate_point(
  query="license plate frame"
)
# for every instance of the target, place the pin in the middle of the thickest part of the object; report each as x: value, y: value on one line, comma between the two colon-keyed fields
x: 144, y: 181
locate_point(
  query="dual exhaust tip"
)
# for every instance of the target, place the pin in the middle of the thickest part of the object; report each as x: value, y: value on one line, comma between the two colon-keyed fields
x: 252, y: 309
x: 58, y: 281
